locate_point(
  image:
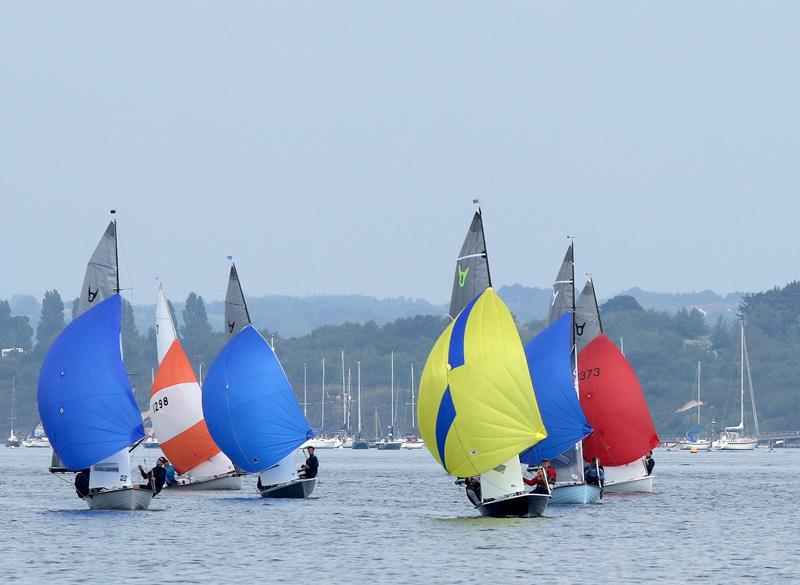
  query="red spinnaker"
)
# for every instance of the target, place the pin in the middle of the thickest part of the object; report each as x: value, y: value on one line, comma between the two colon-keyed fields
x: 614, y: 405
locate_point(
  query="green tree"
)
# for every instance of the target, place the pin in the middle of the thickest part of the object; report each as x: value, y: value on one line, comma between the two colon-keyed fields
x: 51, y: 322
x: 690, y: 324
x: 14, y: 331
x: 621, y: 303
x: 196, y: 330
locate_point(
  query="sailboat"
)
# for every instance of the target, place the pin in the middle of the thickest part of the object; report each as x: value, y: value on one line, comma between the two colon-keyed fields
x: 692, y: 441
x: 411, y: 440
x: 38, y: 439
x: 321, y: 441
x: 176, y: 411
x: 390, y: 442
x: 734, y: 438
x: 85, y: 400
x: 250, y: 409
x: 552, y: 361
x: 12, y: 440
x: 613, y: 402
x: 477, y: 411
x: 359, y: 442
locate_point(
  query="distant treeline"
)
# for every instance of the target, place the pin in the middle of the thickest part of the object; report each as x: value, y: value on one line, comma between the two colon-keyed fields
x: 663, y: 347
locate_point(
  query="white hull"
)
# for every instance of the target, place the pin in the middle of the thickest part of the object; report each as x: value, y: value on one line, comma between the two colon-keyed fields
x: 228, y: 482
x: 120, y: 499
x: 699, y: 445
x: 413, y: 445
x: 322, y: 444
x: 642, y: 485
x: 737, y: 446
x: 36, y: 444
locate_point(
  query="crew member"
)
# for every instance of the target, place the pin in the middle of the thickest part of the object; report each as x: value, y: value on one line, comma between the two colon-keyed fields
x: 649, y: 462
x: 156, y: 476
x: 473, y: 487
x: 82, y: 482
x: 538, y: 481
x: 310, y: 467
x: 594, y: 474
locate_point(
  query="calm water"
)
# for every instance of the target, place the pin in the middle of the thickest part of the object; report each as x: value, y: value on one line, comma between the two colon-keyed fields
x: 394, y: 517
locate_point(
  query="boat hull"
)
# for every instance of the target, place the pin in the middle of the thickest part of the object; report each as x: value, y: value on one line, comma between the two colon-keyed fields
x: 227, y: 482
x: 640, y: 485
x: 389, y: 446
x: 120, y: 499
x: 322, y: 444
x: 699, y: 445
x: 737, y: 446
x: 360, y: 445
x: 297, y: 489
x: 527, y: 505
x: 413, y: 445
x: 575, y: 494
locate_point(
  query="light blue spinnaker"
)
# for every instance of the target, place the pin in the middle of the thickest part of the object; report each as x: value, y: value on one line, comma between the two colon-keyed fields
x: 550, y: 366
x: 249, y: 406
x: 85, y: 400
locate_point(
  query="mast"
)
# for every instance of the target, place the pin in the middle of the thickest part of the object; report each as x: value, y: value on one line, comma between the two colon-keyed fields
x: 305, y: 390
x: 485, y: 251
x: 358, y: 377
x: 391, y: 410
x: 698, y: 393
x: 13, y: 388
x: 750, y: 386
x: 116, y: 249
x: 741, y: 382
x: 413, y: 422
x: 322, y: 423
x: 344, y: 398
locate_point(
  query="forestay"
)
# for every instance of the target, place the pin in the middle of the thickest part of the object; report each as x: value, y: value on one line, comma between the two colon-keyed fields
x: 476, y: 403
x: 550, y: 365
x: 472, y: 268
x: 85, y: 400
x: 249, y: 406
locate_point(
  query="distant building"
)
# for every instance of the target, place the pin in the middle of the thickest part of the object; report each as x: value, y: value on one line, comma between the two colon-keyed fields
x: 7, y: 350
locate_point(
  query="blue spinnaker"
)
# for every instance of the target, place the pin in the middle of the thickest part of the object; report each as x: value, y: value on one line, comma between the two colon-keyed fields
x: 85, y: 400
x: 551, y: 371
x: 249, y: 406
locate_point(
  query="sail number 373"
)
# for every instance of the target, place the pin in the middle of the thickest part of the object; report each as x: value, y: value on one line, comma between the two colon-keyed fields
x: 590, y: 373
x: 160, y: 403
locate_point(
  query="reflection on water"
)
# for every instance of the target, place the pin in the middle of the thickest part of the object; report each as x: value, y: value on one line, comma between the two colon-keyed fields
x: 394, y: 517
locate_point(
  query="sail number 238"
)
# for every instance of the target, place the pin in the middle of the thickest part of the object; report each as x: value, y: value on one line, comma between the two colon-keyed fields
x: 160, y: 403
x: 586, y: 374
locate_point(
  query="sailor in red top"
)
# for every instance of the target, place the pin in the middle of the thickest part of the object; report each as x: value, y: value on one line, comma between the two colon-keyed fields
x: 538, y: 481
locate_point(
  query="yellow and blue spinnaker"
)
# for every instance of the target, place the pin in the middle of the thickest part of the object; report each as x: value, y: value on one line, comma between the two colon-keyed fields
x: 476, y: 407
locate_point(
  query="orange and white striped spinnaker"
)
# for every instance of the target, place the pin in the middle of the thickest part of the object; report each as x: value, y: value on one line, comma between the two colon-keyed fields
x: 176, y: 406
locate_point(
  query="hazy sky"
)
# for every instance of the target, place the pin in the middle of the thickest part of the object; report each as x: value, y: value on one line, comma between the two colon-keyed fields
x: 336, y: 147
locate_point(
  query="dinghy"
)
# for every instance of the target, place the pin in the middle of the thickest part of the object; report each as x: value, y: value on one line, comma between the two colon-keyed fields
x: 176, y: 411
x: 477, y: 411
x: 734, y: 438
x: 614, y: 404
x: 86, y: 403
x: 552, y: 361
x: 252, y: 413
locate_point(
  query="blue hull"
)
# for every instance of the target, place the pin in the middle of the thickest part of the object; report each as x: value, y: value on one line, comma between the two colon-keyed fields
x: 575, y: 494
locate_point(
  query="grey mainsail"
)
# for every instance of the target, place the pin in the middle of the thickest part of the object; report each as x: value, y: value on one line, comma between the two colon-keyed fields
x: 472, y: 268
x: 236, y: 315
x: 563, y: 288
x: 101, y: 280
x: 587, y: 316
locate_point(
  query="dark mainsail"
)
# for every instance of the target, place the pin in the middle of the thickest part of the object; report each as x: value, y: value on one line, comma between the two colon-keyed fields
x: 587, y: 317
x: 472, y: 268
x: 563, y: 288
x: 236, y: 314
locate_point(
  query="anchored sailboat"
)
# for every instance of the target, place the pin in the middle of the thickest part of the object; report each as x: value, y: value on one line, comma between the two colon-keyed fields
x: 734, y: 438
x: 176, y: 410
x: 86, y: 403
x: 12, y: 440
x: 477, y: 411
x: 552, y: 360
x: 390, y: 442
x: 613, y: 403
x: 692, y: 441
x: 252, y: 413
